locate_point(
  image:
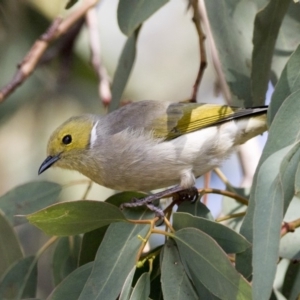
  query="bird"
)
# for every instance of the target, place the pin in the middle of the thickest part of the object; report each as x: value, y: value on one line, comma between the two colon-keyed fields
x: 149, y: 144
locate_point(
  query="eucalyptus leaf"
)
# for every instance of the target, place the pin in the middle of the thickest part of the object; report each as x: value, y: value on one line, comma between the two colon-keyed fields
x: 75, y: 217
x: 228, y: 239
x: 142, y: 288
x: 206, y: 262
x: 27, y: 198
x: 266, y: 27
x: 115, y: 259
x: 20, y: 280
x: 196, y: 209
x: 71, y: 287
x: 132, y: 14
x: 288, y: 83
x: 174, y: 280
x: 291, y: 283
x: 123, y: 70
x: 65, y: 257
x: 126, y: 288
x: 10, y: 248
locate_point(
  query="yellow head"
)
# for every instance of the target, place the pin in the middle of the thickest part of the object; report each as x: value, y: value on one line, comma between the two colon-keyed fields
x: 69, y: 143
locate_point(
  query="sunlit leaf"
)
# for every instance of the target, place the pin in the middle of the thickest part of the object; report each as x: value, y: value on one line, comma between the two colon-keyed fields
x: 75, y: 217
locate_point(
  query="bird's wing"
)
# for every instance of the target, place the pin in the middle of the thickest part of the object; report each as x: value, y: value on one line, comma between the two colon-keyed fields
x: 182, y: 118
x: 170, y: 120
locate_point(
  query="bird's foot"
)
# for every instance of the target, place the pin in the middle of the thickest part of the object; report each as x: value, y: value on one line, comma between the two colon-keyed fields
x: 179, y: 195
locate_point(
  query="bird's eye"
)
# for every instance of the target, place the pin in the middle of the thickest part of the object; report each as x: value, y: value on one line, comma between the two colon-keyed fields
x: 67, y: 139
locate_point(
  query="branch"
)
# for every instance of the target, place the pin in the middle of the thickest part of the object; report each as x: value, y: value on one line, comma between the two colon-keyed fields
x: 58, y: 28
x: 104, y: 80
x: 203, y: 60
x: 289, y: 227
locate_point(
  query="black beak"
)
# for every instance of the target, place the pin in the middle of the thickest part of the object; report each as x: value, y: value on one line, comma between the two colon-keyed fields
x: 47, y: 163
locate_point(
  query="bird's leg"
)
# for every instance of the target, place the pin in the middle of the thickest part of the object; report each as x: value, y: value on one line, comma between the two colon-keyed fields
x: 190, y: 194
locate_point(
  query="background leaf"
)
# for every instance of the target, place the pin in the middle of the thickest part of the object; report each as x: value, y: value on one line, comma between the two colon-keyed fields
x: 132, y: 14
x: 27, y: 198
x: 266, y: 27
x: 10, y: 248
x: 65, y: 257
x: 20, y: 280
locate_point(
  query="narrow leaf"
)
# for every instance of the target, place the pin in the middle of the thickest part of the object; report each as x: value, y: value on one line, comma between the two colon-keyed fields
x: 126, y: 289
x: 123, y: 70
x: 115, y: 259
x: 75, y: 217
x: 10, y: 248
x: 228, y: 239
x: 20, y: 281
x: 141, y: 290
x: 132, y: 14
x: 174, y: 279
x: 206, y: 262
x: 71, y: 287
x: 27, y: 198
x: 65, y: 257
x: 288, y: 83
x: 266, y: 27
x: 291, y: 283
x: 90, y: 244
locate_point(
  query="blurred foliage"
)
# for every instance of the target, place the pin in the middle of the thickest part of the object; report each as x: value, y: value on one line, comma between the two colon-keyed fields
x: 97, y: 249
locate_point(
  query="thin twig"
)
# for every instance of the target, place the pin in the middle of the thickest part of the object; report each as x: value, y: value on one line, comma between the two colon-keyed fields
x: 104, y: 80
x: 207, y: 178
x: 30, y: 61
x: 203, y: 59
x: 233, y: 216
x: 88, y: 188
x: 235, y: 196
x: 224, y: 179
x: 289, y: 227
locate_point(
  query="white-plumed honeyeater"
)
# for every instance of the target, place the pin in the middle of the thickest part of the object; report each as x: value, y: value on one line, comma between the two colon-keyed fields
x: 148, y: 145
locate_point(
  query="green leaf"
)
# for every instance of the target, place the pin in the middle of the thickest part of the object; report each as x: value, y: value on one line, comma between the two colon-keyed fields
x: 266, y: 27
x: 20, y: 280
x: 123, y: 70
x: 232, y: 27
x: 206, y: 262
x: 132, y: 14
x: 126, y: 288
x: 71, y: 287
x: 115, y: 259
x: 27, y: 198
x: 142, y: 288
x: 291, y: 283
x: 196, y: 209
x: 90, y: 244
x: 65, y: 257
x: 75, y: 217
x: 228, y: 239
x: 174, y: 280
x: 288, y: 83
x: 284, y: 131
x: 10, y: 248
